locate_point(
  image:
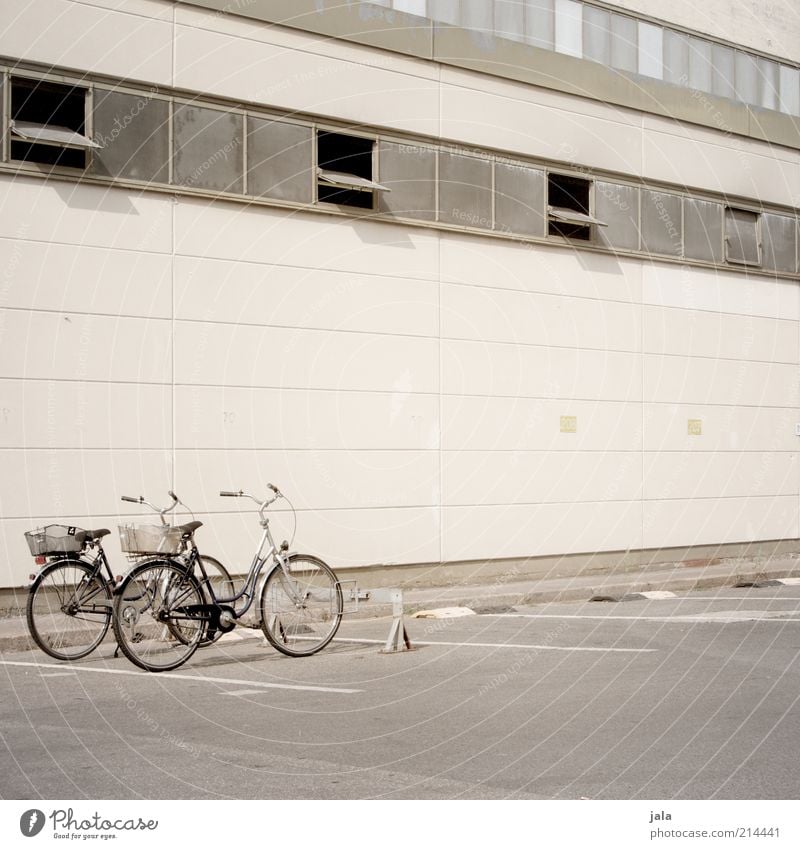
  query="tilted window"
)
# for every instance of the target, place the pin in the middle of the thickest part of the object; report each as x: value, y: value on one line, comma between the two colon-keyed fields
x: 48, y: 123
x: 568, y: 207
x: 344, y: 170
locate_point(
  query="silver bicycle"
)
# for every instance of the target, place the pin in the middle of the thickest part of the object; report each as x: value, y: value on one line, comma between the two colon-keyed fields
x: 162, y: 610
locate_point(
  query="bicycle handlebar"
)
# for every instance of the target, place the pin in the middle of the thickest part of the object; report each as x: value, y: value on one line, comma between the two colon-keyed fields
x: 262, y: 505
x: 160, y: 510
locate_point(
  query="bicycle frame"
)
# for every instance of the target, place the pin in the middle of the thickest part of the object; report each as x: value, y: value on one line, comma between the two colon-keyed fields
x: 248, y: 589
x: 96, y: 563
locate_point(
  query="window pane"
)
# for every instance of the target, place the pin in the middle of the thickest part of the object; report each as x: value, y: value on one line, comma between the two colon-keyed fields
x: 746, y: 78
x: 623, y: 43
x: 676, y: 58
x: 134, y: 132
x: 661, y: 223
x: 618, y: 207
x: 779, y: 233
x: 208, y: 148
x: 702, y: 230
x: 509, y: 19
x: 410, y: 172
x: 768, y: 83
x: 596, y: 35
x: 722, y: 79
x: 465, y: 190
x: 569, y: 37
x: 280, y: 160
x: 540, y: 23
x: 741, y: 236
x: 445, y: 11
x: 651, y: 50
x: 519, y: 200
x: 700, y: 64
x: 477, y: 14
x: 790, y: 90
x: 413, y: 7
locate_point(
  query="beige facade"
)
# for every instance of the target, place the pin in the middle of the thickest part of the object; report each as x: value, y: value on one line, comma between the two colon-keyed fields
x: 424, y: 394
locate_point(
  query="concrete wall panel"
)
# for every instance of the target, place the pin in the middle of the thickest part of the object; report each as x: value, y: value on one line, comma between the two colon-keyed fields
x: 481, y: 368
x: 473, y: 533
x: 719, y: 520
x: 74, y: 278
x: 519, y: 424
x: 76, y: 214
x: 698, y: 380
x: 49, y: 346
x: 39, y: 414
x: 470, y: 312
x: 726, y: 474
x: 700, y: 333
x: 243, y: 418
x: 723, y: 428
x: 276, y: 357
x: 205, y: 229
x: 284, y: 296
x: 535, y: 477
x: 313, y: 480
x: 531, y: 268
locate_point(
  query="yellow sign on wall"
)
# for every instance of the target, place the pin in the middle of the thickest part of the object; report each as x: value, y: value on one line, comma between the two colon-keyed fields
x: 695, y: 427
x: 569, y: 424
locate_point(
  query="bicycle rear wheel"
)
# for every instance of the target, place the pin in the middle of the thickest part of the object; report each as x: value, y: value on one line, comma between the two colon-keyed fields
x: 69, y: 609
x: 159, y: 616
x: 301, y: 613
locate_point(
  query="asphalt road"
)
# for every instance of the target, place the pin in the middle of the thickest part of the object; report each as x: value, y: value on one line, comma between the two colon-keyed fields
x: 692, y: 697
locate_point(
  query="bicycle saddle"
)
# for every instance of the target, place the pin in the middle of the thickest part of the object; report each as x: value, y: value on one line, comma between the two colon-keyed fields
x: 189, y: 527
x: 98, y: 534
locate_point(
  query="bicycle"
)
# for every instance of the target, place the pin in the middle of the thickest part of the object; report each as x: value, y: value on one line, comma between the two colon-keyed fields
x: 161, y: 612
x: 149, y: 541
x: 70, y: 598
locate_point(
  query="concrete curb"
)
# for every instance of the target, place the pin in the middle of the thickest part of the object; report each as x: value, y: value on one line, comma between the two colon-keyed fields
x: 14, y: 635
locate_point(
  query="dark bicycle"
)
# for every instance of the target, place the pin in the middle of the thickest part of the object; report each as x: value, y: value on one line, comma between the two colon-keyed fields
x: 70, y: 597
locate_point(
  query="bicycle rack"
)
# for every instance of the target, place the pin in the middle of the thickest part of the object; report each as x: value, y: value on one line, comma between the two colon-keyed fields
x: 398, y: 639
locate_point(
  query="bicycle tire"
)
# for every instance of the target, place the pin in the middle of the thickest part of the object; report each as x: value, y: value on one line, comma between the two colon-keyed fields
x: 155, y: 620
x: 68, y: 609
x: 302, y: 618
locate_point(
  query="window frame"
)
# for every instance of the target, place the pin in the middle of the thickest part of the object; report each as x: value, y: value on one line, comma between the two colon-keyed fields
x: 564, y: 215
x: 318, y: 170
x: 759, y: 236
x: 9, y: 122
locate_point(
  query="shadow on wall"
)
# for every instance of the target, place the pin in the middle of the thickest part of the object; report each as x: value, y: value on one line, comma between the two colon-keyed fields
x: 373, y: 233
x: 100, y: 200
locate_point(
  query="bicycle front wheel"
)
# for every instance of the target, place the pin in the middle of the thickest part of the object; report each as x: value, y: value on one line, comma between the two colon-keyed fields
x: 301, y: 608
x: 69, y: 609
x: 159, y: 615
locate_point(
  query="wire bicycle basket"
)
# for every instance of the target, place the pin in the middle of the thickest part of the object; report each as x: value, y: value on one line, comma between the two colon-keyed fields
x: 138, y: 540
x: 55, y: 539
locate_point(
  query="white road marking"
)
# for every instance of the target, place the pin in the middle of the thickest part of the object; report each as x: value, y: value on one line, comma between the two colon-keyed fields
x: 159, y: 675
x: 722, y: 616
x: 242, y: 693
x: 55, y: 674
x: 743, y: 597
x: 497, y: 645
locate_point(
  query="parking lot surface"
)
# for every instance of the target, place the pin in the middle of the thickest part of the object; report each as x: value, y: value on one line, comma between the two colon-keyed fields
x: 694, y: 696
